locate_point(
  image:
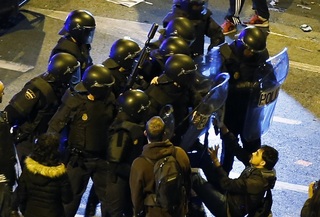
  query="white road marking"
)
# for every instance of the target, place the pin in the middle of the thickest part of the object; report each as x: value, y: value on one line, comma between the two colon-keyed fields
x: 281, y: 35
x: 282, y: 185
x: 304, y: 66
x: 286, y: 120
x: 15, y: 66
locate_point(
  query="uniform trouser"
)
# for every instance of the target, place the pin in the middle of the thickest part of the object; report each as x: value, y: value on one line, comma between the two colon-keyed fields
x: 80, y: 170
x: 235, y: 8
x: 118, y: 197
x: 5, y: 200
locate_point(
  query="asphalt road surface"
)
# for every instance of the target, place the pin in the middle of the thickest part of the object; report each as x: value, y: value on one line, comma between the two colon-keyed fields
x: 25, y: 48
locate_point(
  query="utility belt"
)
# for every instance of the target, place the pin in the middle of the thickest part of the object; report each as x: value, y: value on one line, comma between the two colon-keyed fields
x: 77, y: 157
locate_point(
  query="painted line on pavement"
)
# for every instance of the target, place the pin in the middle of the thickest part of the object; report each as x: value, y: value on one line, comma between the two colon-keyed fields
x: 286, y: 120
x: 304, y: 66
x: 281, y: 35
x: 281, y: 185
x: 15, y: 66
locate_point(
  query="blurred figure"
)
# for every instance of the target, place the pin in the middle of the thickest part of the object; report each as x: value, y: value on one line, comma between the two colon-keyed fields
x: 311, y: 207
x: 232, y: 19
x: 7, y: 162
x: 77, y: 36
x: 204, y: 24
x: 44, y: 185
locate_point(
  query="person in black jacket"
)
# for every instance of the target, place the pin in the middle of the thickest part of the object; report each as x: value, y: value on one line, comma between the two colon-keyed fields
x: 311, y: 207
x: 204, y: 24
x: 244, y: 195
x: 76, y: 37
x: 7, y: 162
x: 125, y: 144
x: 87, y: 110
x: 123, y: 53
x: 243, y: 59
x: 44, y: 185
x: 175, y: 86
x: 30, y: 110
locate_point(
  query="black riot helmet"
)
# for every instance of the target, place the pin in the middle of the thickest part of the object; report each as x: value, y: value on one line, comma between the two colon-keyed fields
x: 97, y: 80
x: 135, y: 103
x: 173, y: 45
x: 124, y: 51
x: 182, y: 27
x: 179, y: 68
x: 253, y: 39
x: 61, y: 68
x: 79, y: 24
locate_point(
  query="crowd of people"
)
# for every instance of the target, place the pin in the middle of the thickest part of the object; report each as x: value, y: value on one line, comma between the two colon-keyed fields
x: 80, y: 120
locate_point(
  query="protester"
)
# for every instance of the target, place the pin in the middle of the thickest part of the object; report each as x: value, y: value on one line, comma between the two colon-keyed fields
x: 7, y: 162
x: 44, y: 185
x: 142, y: 181
x: 311, y: 207
x: 244, y: 195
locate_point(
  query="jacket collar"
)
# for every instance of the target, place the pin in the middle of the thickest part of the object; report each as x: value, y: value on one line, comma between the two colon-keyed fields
x: 48, y: 171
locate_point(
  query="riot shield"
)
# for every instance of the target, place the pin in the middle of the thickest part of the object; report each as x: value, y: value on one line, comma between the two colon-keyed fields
x: 262, y: 102
x: 213, y: 100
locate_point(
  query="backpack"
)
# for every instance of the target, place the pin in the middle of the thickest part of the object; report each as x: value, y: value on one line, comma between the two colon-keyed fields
x: 169, y: 192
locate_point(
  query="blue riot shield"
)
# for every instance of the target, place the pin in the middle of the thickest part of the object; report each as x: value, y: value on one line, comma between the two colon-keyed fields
x: 212, y: 101
x: 263, y: 101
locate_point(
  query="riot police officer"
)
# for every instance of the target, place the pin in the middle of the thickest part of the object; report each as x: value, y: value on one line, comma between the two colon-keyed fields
x: 204, y: 25
x: 7, y: 162
x: 242, y: 59
x: 175, y: 87
x: 122, y: 55
x: 77, y: 35
x: 87, y: 110
x: 178, y: 26
x: 126, y: 141
x: 31, y: 109
x: 154, y: 65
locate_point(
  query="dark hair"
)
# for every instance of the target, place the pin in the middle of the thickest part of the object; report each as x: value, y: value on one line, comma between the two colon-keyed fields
x: 155, y: 128
x: 45, y: 150
x: 270, y: 155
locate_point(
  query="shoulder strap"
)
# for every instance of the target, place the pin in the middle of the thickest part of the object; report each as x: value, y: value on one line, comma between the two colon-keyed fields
x: 45, y: 88
x: 149, y: 160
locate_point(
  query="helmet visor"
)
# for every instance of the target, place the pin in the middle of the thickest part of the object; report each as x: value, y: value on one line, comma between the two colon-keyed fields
x: 88, y: 34
x: 76, y: 76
